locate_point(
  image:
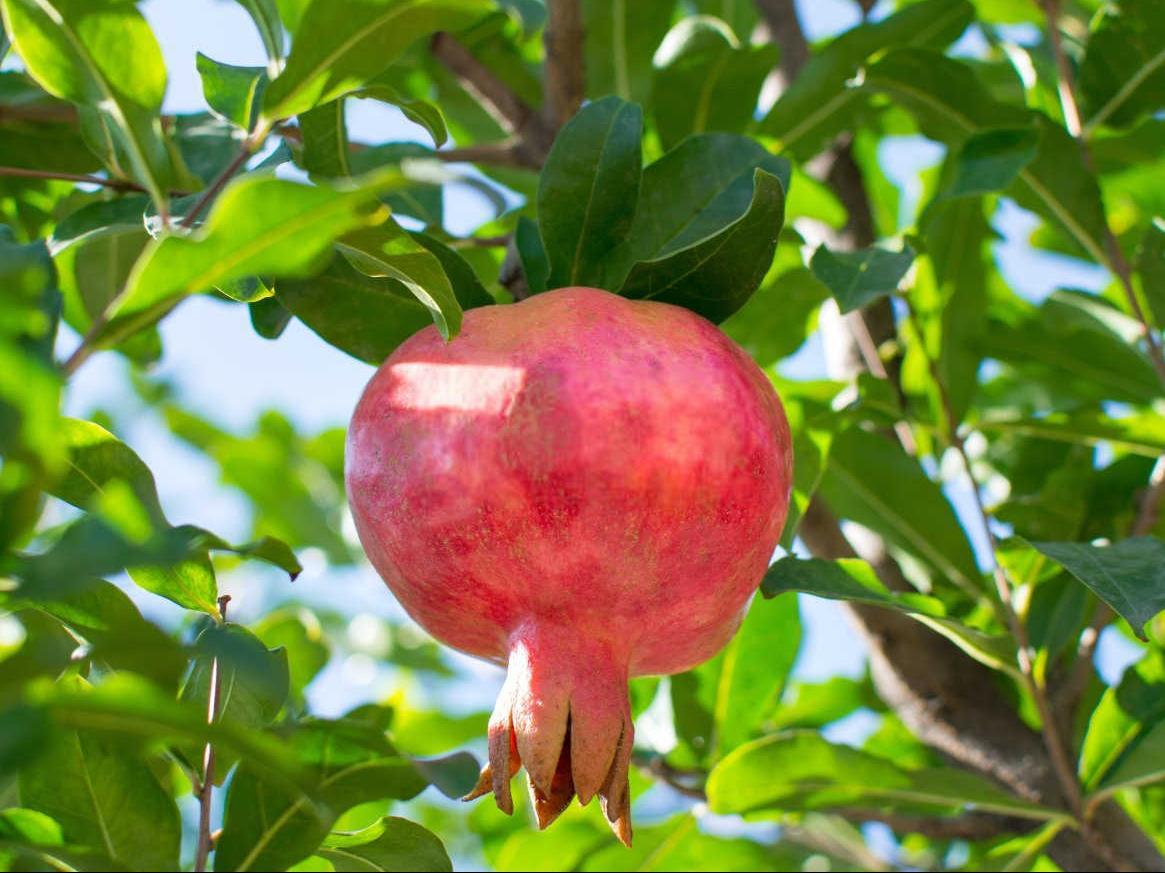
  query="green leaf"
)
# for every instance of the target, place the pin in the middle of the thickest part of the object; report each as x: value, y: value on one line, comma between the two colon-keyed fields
x: 267, y: 827
x: 299, y: 634
x: 858, y: 278
x: 952, y: 105
x: 1125, y: 716
x: 588, y: 189
x: 107, y: 619
x: 706, y: 80
x: 817, y: 104
x: 1064, y: 339
x: 265, y: 14
x: 325, y: 140
x: 1143, y: 765
x: 800, y: 770
x: 388, y: 252
x: 96, y: 458
x: 233, y: 93
x: 1151, y: 268
x: 269, y: 318
x: 351, y: 42
x: 717, y: 275
x: 815, y: 705
x: 128, y: 706
x: 427, y: 115
x: 620, y: 39
x: 255, y: 680
x: 991, y: 160
x: 723, y: 702
x: 1129, y: 576
x: 692, y: 193
x: 104, y: 795
x: 259, y: 225
x: 845, y: 579
x: 535, y: 267
x: 871, y: 480
x: 100, y: 54
x: 949, y: 297
x: 92, y: 272
x: 365, y: 317
x: 779, y: 317
x: 291, y: 12
x: 1122, y: 74
x: 388, y: 844
x: 1142, y: 433
x: 35, y: 842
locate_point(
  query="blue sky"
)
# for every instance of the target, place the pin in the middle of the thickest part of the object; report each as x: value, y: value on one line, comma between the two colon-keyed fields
x: 221, y: 369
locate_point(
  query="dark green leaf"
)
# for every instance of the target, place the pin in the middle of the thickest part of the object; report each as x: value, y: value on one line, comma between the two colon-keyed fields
x: 779, y: 317
x: 1122, y: 74
x: 814, y: 107
x: 107, y: 619
x: 620, y: 41
x: 1151, y: 268
x: 365, y: 317
x: 265, y: 14
x: 427, y: 115
x: 1124, y: 717
x: 692, y: 193
x: 325, y: 140
x: 453, y: 775
x: 351, y: 41
x: 299, y: 634
x: 268, y: 827
x: 846, y: 579
x: 872, y: 481
x: 723, y: 702
x: 109, y: 62
x: 259, y: 225
x: 991, y: 160
x: 858, y: 278
x: 466, y: 285
x: 1142, y: 433
x: 96, y: 458
x: 389, y: 844
x: 269, y: 318
x: 588, y: 190
x: 1129, y: 576
x: 234, y: 93
x: 535, y: 267
x: 800, y: 770
x: 388, y: 252
x: 952, y: 105
x: 706, y: 80
x: 105, y: 796
x: 717, y: 275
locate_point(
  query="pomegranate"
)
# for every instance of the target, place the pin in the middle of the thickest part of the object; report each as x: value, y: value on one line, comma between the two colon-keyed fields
x: 581, y: 487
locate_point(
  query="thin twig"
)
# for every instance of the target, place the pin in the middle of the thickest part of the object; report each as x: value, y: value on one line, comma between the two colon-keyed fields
x: 499, y: 154
x: 689, y: 783
x: 206, y: 784
x: 564, y: 79
x: 220, y: 182
x: 83, y: 178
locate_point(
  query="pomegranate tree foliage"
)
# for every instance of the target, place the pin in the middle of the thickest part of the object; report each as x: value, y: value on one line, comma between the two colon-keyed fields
x: 689, y: 175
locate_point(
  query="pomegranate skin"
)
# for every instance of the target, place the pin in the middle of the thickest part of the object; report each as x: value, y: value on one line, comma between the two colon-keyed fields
x: 585, y: 488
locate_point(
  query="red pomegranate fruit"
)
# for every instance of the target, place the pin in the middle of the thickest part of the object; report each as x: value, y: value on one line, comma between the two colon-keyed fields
x: 583, y: 488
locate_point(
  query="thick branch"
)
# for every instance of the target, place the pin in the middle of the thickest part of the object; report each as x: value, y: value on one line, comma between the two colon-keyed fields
x: 564, y: 75
x: 780, y: 16
x: 970, y: 826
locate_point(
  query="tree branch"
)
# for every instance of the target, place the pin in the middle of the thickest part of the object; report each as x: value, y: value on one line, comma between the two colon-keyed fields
x: 969, y: 826
x: 563, y: 72
x: 949, y: 701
